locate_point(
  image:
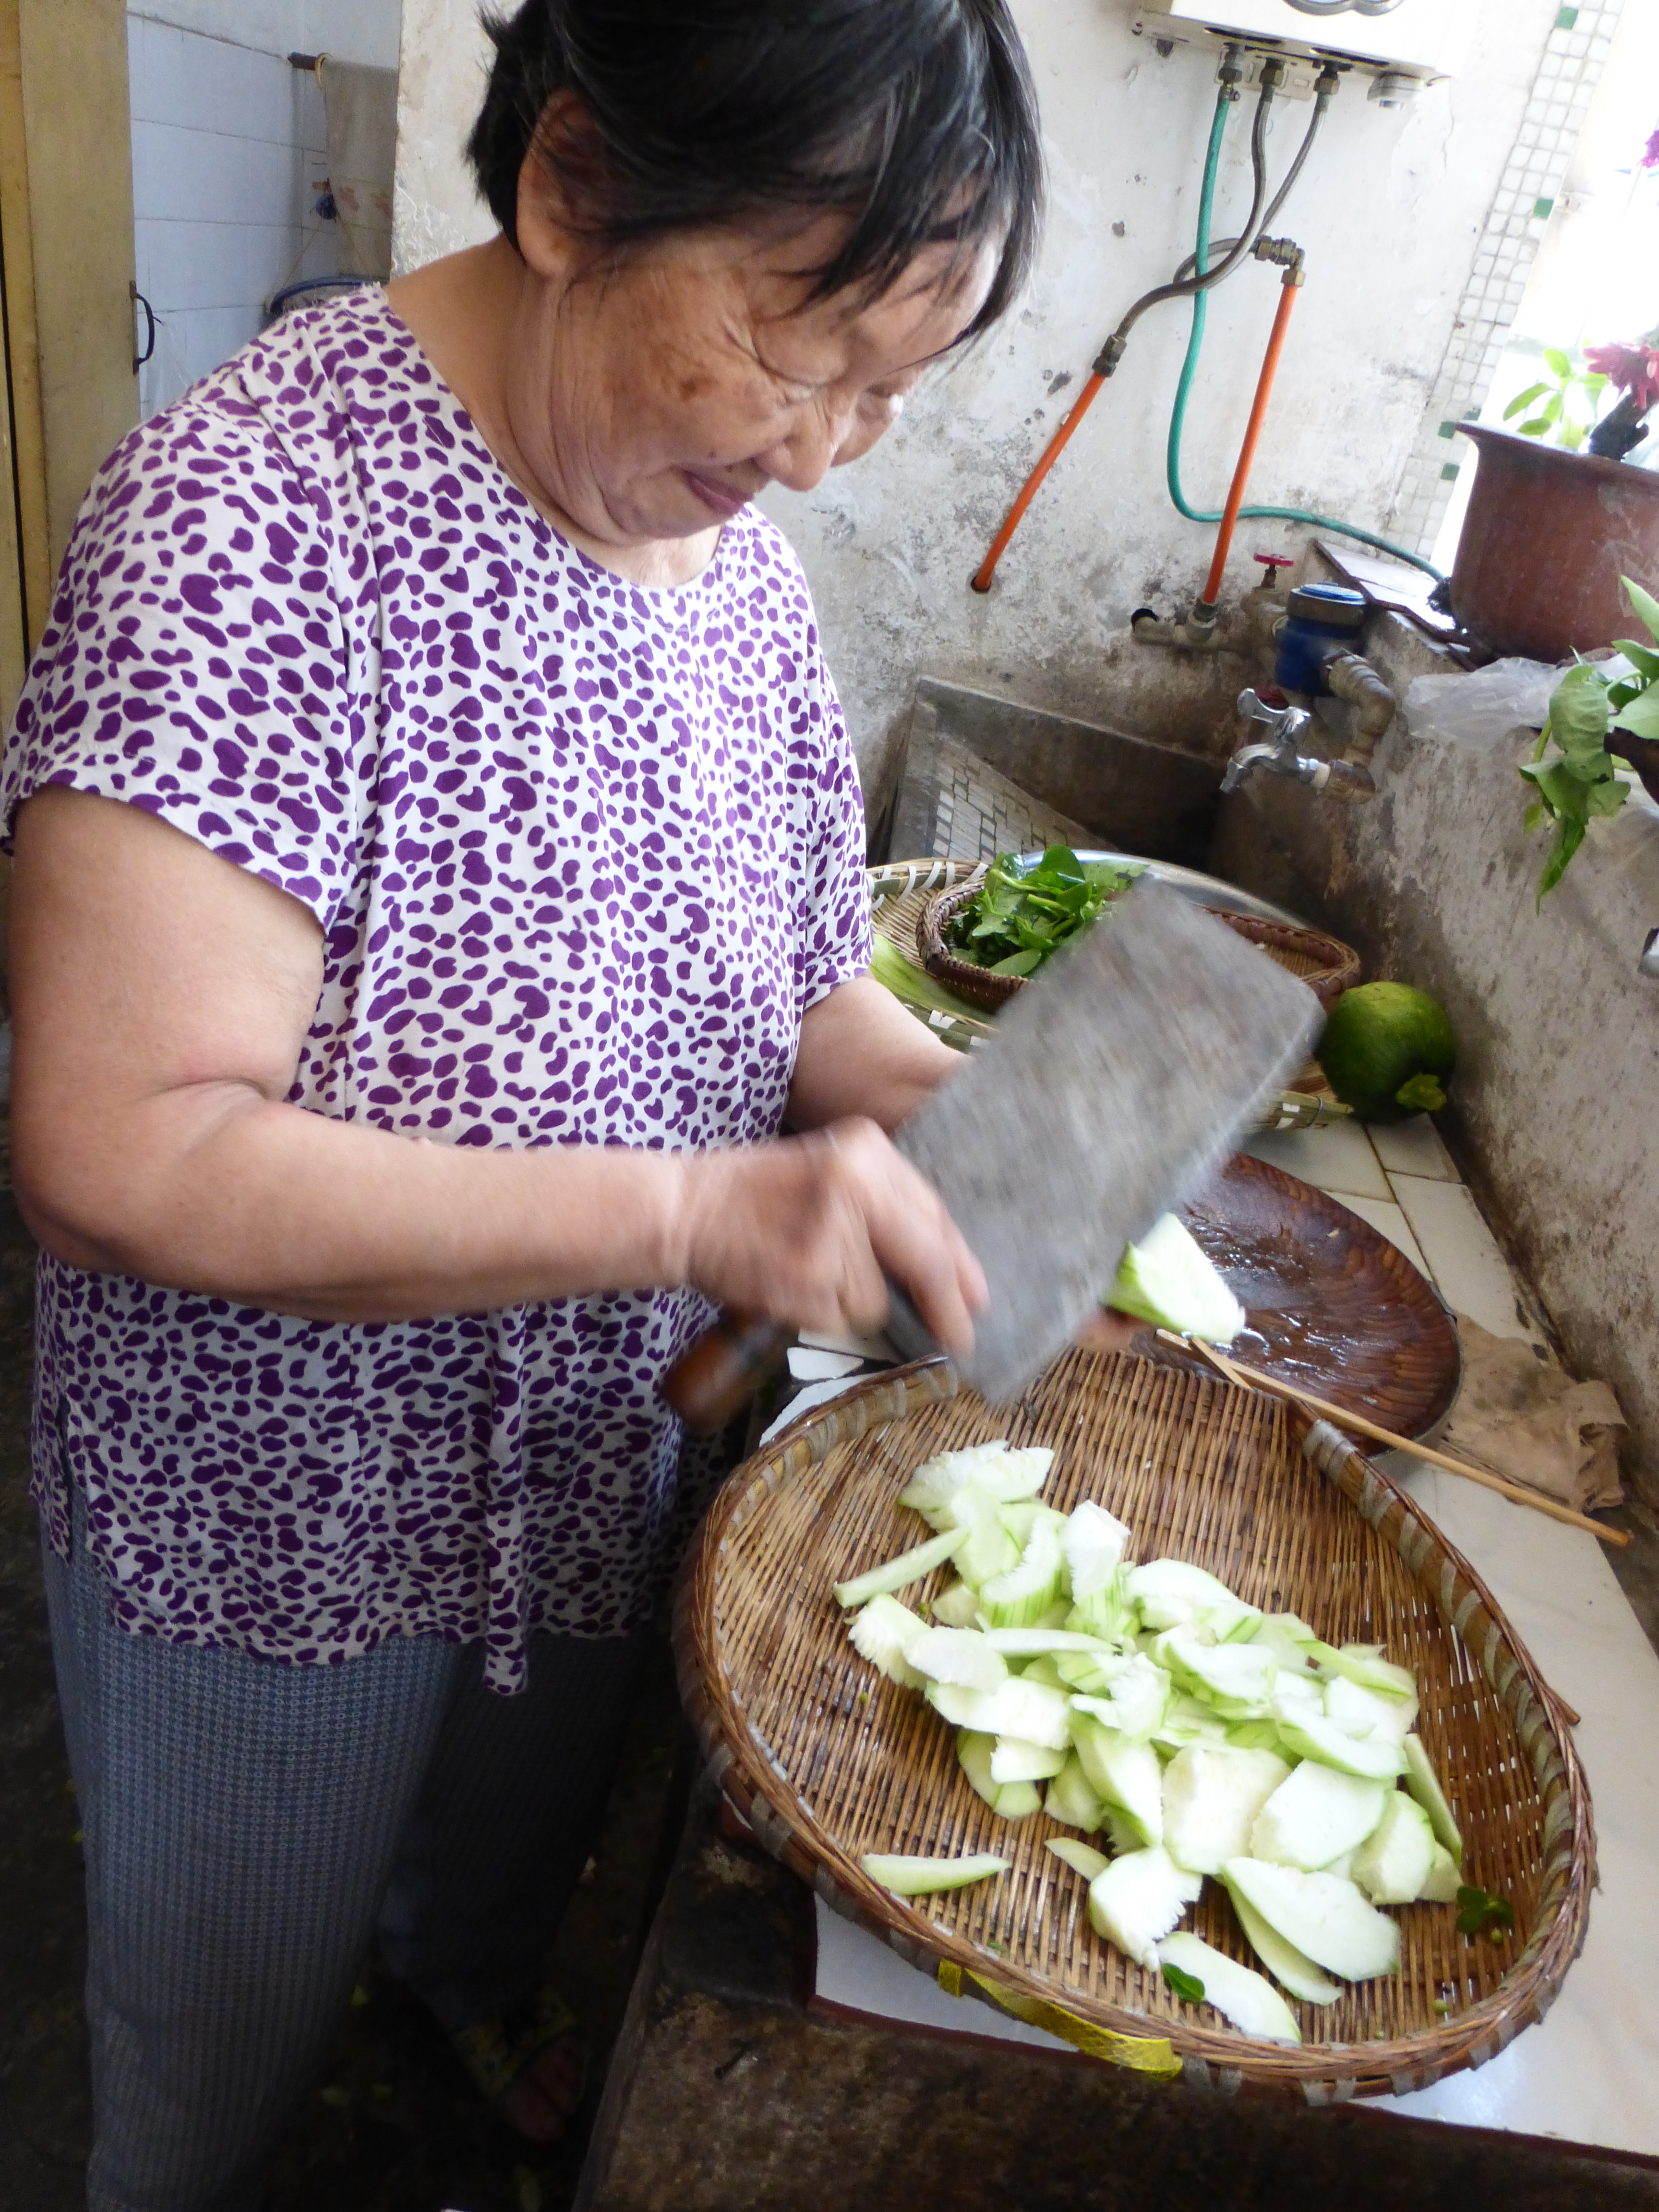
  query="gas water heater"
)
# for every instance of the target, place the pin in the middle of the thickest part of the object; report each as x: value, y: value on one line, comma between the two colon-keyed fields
x: 1399, y: 44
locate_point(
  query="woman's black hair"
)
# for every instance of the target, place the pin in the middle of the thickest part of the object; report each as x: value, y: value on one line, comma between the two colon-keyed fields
x: 916, y: 118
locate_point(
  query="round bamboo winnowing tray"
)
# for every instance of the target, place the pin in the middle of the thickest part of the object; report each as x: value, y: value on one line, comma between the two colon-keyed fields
x: 827, y: 1760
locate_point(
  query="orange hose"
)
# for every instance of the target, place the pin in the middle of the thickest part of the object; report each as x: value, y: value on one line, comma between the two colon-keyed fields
x: 1247, y: 451
x: 1033, y: 484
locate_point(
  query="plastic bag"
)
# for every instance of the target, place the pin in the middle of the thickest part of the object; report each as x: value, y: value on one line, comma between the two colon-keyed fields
x: 1483, y: 707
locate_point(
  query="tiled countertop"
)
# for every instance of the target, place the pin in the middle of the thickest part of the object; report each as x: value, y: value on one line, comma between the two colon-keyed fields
x: 1588, y: 2073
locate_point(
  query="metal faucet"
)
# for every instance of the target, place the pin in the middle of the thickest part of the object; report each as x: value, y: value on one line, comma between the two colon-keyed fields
x: 1278, y: 754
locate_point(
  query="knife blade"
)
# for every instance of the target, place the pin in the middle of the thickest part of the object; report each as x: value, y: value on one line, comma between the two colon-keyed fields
x: 1107, y: 1095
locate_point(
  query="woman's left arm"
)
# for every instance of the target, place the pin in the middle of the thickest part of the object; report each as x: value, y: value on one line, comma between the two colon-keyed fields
x: 862, y: 1054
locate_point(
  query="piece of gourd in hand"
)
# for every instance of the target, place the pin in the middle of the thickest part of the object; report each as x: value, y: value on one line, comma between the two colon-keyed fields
x: 1167, y: 1279
x: 1238, y: 1993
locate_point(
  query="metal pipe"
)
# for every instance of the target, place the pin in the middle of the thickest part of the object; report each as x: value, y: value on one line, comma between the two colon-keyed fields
x: 1349, y: 676
x: 1211, y: 596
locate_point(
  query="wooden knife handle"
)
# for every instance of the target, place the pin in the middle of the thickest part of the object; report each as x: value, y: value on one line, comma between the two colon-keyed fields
x: 714, y: 1378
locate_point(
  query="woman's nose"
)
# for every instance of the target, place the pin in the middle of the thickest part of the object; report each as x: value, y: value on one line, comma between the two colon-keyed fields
x: 805, y: 455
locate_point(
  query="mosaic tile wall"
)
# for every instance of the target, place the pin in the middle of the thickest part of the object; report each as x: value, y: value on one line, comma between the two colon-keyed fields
x: 1567, y: 77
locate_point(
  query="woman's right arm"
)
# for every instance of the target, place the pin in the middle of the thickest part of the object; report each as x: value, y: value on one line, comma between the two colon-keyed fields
x: 160, y: 996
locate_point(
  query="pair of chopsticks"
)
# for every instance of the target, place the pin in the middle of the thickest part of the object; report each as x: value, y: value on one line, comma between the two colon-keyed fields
x: 1340, y: 1416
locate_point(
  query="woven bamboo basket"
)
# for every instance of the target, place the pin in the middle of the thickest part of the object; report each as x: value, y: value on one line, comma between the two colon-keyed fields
x: 826, y: 1760
x: 1325, y: 965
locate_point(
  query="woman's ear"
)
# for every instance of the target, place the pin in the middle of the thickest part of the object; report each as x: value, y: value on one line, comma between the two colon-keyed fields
x: 558, y: 184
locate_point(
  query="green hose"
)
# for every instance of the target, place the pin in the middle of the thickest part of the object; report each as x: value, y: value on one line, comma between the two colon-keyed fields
x: 1189, y: 371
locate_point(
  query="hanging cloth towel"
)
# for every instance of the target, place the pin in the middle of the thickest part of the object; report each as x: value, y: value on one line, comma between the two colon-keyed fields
x: 361, y: 108
x: 1523, y: 1417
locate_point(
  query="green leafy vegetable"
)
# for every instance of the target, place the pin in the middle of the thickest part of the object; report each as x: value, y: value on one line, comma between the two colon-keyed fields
x: 1026, y: 909
x: 1480, y: 1913
x: 1186, y: 1986
x: 1581, y: 779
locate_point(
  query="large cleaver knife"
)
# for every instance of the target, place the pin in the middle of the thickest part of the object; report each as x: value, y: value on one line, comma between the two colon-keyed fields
x: 1111, y: 1090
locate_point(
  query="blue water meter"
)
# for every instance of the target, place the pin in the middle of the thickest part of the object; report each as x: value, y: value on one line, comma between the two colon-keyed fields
x: 1324, y: 620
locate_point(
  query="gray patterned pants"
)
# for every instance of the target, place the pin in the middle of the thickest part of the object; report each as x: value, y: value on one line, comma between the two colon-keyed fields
x: 249, y: 1827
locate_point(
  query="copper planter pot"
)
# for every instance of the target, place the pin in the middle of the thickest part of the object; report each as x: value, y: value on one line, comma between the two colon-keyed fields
x: 1549, y: 538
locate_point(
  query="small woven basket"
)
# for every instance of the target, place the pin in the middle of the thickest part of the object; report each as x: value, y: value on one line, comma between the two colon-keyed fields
x: 1327, y: 965
x: 826, y: 1760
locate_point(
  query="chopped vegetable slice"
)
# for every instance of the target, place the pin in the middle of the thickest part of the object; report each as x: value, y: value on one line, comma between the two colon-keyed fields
x: 1368, y: 1712
x: 1170, y: 1593
x: 1238, y: 1993
x: 960, y: 1657
x: 1316, y: 1816
x: 1069, y: 1799
x: 1137, y: 1901
x: 908, y: 1567
x: 1211, y: 1795
x: 1095, y: 1543
x: 1396, y: 1859
x: 957, y: 1607
x: 1444, y: 1878
x: 1136, y: 1700
x: 988, y: 1549
x: 1169, y: 1281
x: 1031, y: 1711
x: 1082, y: 1859
x: 1378, y: 1759
x: 1424, y: 1785
x: 1325, y: 1916
x: 997, y: 1468
x: 910, y: 1875
x: 1030, y: 1643
x: 1010, y: 1800
x: 1013, y: 1760
x: 1025, y: 1592
x: 882, y: 1633
x: 1282, y: 1959
x: 1123, y: 1771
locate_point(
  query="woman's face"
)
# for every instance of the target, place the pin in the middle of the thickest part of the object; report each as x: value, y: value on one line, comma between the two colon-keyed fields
x: 649, y: 398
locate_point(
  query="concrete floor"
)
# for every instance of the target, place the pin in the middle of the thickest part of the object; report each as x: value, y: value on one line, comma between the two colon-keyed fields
x: 394, y: 2125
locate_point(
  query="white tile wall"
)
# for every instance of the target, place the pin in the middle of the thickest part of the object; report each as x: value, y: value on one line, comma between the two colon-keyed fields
x: 229, y: 156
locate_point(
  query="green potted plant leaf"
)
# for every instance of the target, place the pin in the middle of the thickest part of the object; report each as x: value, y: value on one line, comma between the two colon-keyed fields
x: 1601, y: 714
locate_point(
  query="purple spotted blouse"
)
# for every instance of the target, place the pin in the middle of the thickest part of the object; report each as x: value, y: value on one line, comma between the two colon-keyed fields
x: 582, y: 854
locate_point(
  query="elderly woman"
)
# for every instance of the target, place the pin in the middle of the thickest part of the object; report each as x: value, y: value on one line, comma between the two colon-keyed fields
x: 438, y: 885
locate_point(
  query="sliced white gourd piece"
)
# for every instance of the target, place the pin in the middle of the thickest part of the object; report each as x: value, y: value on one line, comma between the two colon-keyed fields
x: 1024, y: 1594
x: 1304, y: 1690
x: 1397, y: 1858
x: 1123, y: 1835
x: 1238, y: 1993
x: 1082, y: 1859
x: 1069, y: 1799
x: 1060, y: 1643
x: 1000, y: 1470
x: 1031, y: 1711
x: 1092, y: 1672
x: 1211, y: 1795
x: 1167, y: 1279
x: 957, y: 1607
x: 1095, y: 1544
x: 1314, y: 1817
x: 1108, y: 1612
x: 1137, y: 1700
x: 1445, y: 1879
x: 1328, y: 1919
x: 1309, y: 1736
x: 1363, y: 1663
x: 1057, y: 1614
x: 1282, y: 1959
x: 960, y: 1657
x: 882, y: 1632
x: 1040, y: 1669
x: 1342, y: 1864
x: 1188, y: 1720
x: 908, y: 1875
x: 1123, y: 1770
x: 1368, y: 1712
x: 1136, y: 1902
x: 1010, y: 1800
x: 987, y: 1548
x: 1424, y: 1785
x: 961, y: 1708
x: 1256, y: 1735
x: 908, y: 1567
x: 1014, y: 1761
x: 1237, y: 1678
x: 1169, y: 1592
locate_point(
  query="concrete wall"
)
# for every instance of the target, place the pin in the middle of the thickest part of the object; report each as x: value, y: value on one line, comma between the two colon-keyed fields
x: 1390, y: 213
x: 1435, y: 881
x: 229, y: 149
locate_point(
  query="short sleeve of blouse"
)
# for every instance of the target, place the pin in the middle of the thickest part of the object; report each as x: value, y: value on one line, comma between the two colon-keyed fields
x: 833, y: 914
x: 195, y: 661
